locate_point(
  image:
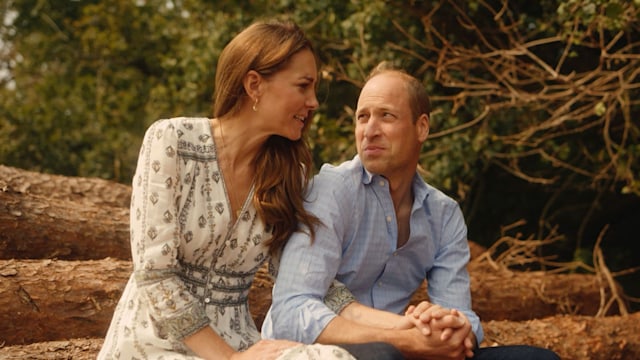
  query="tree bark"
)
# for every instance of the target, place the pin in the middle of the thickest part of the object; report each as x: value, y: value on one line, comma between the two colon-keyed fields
x: 35, y: 227
x: 517, y: 296
x: 82, y: 296
x: 571, y: 337
x: 80, y: 190
x: 46, y: 300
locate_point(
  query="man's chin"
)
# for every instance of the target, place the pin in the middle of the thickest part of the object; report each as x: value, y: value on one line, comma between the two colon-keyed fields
x: 373, y: 166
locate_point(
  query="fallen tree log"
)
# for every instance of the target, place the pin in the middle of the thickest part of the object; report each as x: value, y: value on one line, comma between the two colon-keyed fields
x: 52, y: 300
x: 35, y: 227
x: 572, y: 337
x: 69, y: 299
x: 517, y: 296
x: 80, y: 190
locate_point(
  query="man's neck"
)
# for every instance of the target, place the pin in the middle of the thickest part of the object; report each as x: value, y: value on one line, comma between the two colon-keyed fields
x: 402, y: 197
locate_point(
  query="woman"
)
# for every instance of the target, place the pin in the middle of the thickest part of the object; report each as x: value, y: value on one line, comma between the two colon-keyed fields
x: 212, y: 199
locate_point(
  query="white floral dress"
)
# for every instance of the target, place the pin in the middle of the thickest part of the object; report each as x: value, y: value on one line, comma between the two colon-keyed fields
x: 193, y: 267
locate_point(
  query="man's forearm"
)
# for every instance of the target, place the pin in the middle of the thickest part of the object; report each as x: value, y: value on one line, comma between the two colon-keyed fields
x: 368, y: 316
x: 344, y: 331
x: 410, y: 342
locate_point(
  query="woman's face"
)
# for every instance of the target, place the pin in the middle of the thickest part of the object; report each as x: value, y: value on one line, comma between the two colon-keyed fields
x: 289, y: 96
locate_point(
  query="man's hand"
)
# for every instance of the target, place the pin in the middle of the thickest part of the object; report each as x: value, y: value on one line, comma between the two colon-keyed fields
x: 451, y: 325
x: 414, y: 345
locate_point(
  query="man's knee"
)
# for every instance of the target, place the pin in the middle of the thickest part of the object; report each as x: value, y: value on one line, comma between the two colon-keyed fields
x: 515, y: 352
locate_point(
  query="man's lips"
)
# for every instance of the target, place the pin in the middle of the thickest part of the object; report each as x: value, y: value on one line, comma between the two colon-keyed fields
x: 372, y: 149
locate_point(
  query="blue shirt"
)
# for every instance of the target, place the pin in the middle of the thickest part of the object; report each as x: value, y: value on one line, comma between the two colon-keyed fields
x: 357, y: 246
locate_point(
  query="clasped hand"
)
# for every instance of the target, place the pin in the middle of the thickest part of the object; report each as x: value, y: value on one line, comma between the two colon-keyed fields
x: 447, y: 330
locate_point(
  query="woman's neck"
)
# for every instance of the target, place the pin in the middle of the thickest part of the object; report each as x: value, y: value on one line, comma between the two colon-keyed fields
x: 235, y: 139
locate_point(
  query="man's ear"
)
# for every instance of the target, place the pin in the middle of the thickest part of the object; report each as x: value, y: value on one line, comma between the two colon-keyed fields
x: 422, y: 124
x: 253, y: 84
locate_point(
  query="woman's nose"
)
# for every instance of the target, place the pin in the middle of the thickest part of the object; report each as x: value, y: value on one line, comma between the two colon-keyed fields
x: 313, y: 102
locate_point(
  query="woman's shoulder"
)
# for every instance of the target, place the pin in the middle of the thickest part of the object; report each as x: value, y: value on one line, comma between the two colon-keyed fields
x: 182, y: 123
x: 196, y: 129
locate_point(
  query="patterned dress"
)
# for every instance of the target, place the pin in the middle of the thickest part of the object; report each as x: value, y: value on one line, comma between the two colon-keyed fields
x: 193, y: 266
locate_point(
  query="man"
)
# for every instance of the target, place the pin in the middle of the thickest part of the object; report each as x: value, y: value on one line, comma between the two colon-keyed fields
x: 384, y: 230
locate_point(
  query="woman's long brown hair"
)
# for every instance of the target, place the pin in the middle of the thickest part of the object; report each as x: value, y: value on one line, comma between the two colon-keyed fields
x: 283, y: 167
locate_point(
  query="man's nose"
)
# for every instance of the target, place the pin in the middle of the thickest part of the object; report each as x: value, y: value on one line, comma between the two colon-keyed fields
x: 372, y: 127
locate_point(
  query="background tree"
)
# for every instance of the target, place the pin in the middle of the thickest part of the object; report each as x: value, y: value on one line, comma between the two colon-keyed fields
x: 535, y: 103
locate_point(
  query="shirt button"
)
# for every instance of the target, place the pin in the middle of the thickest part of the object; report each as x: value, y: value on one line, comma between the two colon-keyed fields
x: 207, y: 300
x: 388, y: 218
x: 381, y: 183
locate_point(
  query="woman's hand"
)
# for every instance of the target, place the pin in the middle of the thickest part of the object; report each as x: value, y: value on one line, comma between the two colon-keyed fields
x: 265, y: 350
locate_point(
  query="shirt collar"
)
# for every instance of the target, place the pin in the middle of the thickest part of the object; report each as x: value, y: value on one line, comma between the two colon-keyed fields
x: 420, y: 189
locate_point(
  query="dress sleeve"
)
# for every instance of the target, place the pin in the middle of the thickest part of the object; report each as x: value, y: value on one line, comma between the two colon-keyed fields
x: 155, y: 240
x: 338, y: 297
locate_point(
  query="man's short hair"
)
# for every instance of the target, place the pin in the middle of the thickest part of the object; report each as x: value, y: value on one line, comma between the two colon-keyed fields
x: 418, y: 97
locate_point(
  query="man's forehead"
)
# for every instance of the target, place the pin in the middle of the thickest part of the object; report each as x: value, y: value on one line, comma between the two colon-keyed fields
x: 386, y: 100
x: 373, y: 105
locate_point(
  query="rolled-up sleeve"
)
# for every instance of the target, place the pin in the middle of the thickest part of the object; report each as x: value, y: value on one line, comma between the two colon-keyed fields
x: 298, y: 311
x: 448, y: 280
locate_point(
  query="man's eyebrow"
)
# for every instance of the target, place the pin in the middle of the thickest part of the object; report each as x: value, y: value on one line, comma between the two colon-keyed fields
x: 386, y: 108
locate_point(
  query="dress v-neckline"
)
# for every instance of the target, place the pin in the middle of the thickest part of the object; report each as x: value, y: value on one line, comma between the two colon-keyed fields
x: 233, y: 218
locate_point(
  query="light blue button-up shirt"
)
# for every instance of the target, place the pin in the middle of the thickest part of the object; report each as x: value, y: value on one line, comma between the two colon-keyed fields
x: 357, y: 246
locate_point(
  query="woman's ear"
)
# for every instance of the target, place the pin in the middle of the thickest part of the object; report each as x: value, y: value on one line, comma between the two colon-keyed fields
x: 422, y: 124
x: 252, y: 84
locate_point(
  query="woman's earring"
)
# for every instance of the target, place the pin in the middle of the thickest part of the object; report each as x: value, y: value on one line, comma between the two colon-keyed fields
x: 255, y: 105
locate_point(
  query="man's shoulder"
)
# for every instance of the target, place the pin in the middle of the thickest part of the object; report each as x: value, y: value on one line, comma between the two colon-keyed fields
x: 348, y: 170
x: 437, y: 197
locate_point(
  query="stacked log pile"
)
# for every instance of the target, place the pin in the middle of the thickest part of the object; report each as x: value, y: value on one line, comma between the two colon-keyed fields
x: 64, y: 261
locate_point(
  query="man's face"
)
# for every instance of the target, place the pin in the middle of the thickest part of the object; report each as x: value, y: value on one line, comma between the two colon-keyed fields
x: 387, y: 139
